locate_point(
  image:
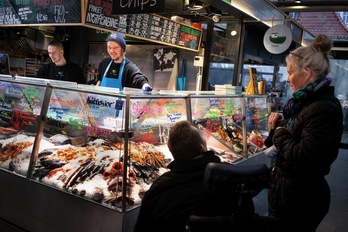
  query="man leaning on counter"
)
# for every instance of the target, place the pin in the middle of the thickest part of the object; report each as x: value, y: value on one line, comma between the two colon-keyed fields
x: 118, y: 71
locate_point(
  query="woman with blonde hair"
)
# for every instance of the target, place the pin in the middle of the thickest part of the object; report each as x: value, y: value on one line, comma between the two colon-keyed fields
x: 307, y: 135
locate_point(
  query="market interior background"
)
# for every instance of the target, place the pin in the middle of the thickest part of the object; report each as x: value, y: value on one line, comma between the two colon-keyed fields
x: 226, y: 62
x: 26, y: 46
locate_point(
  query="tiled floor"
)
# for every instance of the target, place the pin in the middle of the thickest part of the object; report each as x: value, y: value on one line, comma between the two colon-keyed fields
x: 337, y: 218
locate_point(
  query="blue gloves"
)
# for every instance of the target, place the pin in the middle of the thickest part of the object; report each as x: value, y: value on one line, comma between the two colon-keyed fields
x: 146, y: 88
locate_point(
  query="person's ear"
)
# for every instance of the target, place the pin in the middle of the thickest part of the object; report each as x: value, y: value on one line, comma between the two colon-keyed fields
x: 308, y: 72
x: 203, y: 148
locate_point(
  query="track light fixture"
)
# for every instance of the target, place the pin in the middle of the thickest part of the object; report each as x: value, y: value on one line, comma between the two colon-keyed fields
x: 216, y: 18
x: 194, y: 5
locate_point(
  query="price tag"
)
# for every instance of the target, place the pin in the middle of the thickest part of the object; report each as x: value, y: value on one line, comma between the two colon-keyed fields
x: 119, y: 105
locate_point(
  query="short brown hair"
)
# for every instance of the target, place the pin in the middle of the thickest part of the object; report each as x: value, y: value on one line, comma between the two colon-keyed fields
x: 56, y: 43
x: 185, y: 141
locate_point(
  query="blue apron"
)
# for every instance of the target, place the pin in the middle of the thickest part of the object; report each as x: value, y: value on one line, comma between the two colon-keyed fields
x: 113, y: 82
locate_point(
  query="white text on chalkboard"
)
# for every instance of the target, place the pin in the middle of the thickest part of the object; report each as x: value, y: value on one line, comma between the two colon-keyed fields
x: 137, y: 6
x: 137, y: 3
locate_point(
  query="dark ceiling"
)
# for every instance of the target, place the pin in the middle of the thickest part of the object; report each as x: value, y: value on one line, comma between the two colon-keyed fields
x: 311, y: 5
x: 176, y: 7
x: 209, y: 8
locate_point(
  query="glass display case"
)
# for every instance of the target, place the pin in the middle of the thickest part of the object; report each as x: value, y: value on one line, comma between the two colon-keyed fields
x: 102, y: 150
x: 105, y: 147
x: 257, y: 108
x: 220, y: 117
x: 20, y: 108
x: 233, y: 125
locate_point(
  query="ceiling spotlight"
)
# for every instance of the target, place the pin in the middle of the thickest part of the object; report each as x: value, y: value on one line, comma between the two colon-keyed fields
x: 298, y: 1
x: 195, y: 5
x: 233, y: 33
x: 216, y: 18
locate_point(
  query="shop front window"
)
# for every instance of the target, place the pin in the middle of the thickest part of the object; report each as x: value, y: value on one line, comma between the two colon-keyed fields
x: 276, y: 86
x: 223, y: 53
x: 339, y: 73
x: 275, y: 79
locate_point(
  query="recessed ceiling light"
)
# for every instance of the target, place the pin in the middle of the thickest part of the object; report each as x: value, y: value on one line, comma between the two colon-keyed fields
x: 298, y: 2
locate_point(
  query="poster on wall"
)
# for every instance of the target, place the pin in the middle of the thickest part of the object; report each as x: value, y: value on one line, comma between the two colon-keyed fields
x: 277, y: 39
x: 164, y: 59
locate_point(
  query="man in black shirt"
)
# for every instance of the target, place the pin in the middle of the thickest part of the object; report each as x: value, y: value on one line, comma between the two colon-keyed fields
x: 60, y: 68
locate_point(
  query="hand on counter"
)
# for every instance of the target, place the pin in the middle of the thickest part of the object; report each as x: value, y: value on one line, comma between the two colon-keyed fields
x: 146, y: 88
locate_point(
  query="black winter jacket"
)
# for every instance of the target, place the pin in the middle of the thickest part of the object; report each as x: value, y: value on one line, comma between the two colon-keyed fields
x: 179, y: 193
x: 131, y: 77
x: 300, y: 193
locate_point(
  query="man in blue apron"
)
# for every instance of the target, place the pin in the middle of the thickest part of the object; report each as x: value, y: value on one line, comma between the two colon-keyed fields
x: 118, y: 71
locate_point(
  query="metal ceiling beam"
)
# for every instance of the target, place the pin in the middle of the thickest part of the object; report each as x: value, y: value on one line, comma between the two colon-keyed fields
x: 312, y: 6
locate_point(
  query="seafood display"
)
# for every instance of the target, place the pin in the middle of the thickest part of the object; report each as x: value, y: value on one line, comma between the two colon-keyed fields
x: 230, y: 123
x: 97, y: 170
x: 231, y: 135
x: 82, y: 147
x: 12, y: 149
x: 15, y: 152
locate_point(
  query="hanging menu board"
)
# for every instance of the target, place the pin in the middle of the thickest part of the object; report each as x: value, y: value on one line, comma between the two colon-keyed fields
x: 137, y: 7
x: 39, y: 11
x: 145, y: 26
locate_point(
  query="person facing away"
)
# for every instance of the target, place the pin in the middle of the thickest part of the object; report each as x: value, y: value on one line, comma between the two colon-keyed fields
x: 306, y: 142
x: 117, y: 71
x: 60, y: 68
x: 180, y: 192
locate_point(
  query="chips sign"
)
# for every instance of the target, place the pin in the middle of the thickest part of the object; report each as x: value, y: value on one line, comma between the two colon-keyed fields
x: 137, y: 6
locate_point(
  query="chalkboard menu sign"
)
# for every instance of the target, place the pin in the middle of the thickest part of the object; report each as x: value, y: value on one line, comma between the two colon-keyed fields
x: 137, y: 7
x: 145, y: 26
x: 39, y: 11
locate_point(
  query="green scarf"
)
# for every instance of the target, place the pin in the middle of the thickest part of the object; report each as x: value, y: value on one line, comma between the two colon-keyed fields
x: 295, y: 104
